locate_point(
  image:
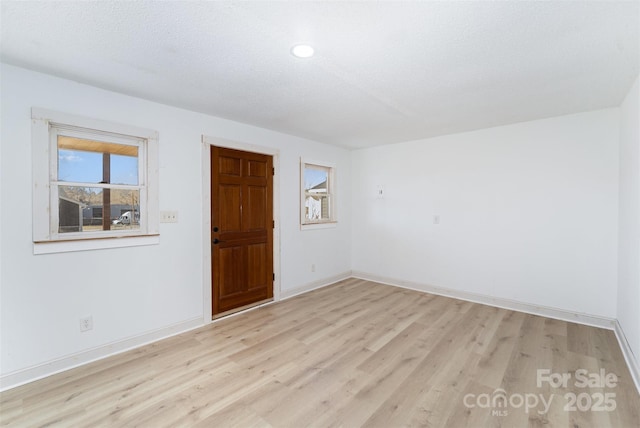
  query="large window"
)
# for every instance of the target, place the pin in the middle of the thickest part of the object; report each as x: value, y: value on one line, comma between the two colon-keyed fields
x: 318, y: 193
x: 100, y: 181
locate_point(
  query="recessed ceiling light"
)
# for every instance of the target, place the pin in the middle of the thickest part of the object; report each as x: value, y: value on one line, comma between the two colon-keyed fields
x: 302, y: 51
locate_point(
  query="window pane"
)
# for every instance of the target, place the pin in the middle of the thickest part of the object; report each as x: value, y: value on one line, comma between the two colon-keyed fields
x: 124, y: 170
x: 79, y: 166
x: 316, y: 179
x: 81, y: 160
x: 82, y: 209
x: 317, y: 208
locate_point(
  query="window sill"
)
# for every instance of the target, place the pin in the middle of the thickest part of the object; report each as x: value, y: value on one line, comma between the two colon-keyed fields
x: 52, y: 247
x: 312, y: 226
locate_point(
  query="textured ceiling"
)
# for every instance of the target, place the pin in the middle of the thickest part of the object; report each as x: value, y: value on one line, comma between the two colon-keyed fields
x: 383, y: 72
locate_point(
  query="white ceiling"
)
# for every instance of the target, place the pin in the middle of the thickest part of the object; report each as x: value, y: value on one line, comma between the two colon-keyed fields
x: 384, y: 72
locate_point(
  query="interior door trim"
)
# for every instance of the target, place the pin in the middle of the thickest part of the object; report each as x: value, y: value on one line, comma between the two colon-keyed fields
x: 207, y: 142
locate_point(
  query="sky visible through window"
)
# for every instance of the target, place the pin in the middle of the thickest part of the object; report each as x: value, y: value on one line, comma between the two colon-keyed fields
x: 86, y: 167
x: 313, y: 177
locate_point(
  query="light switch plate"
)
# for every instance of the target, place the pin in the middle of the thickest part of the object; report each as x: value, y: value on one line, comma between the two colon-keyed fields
x: 168, y: 216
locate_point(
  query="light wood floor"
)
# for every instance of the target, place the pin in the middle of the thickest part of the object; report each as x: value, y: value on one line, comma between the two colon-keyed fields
x: 353, y: 354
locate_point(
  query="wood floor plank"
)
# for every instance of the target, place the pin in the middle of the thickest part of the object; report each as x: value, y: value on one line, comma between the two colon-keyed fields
x: 435, y: 406
x: 493, y: 365
x: 356, y: 353
x: 426, y: 375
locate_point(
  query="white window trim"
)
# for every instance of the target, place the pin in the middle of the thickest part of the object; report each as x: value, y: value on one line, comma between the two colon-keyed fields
x: 45, y: 238
x: 333, y: 222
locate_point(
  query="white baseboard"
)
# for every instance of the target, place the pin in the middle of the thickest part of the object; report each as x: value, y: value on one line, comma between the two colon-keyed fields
x: 287, y: 294
x: 629, y: 357
x: 30, y: 374
x: 513, y: 305
x: 560, y: 314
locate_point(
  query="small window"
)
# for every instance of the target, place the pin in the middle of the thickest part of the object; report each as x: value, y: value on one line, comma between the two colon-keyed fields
x: 100, y: 181
x: 318, y: 193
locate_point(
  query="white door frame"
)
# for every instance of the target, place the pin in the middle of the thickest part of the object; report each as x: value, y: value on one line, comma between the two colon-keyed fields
x: 207, y: 142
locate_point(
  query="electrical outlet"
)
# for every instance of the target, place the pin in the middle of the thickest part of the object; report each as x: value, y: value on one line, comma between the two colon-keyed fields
x: 313, y: 267
x: 86, y: 323
x: 436, y: 219
x: 168, y: 216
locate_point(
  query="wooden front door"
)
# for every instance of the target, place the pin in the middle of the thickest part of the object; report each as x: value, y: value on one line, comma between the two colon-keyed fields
x: 242, y: 228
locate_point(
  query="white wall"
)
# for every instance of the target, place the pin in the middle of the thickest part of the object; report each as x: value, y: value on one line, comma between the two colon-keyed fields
x: 133, y: 291
x: 629, y: 234
x: 528, y: 212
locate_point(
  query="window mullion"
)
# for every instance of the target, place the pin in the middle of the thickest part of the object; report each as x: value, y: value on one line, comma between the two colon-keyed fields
x: 97, y: 185
x: 55, y: 213
x: 106, y: 193
x: 53, y: 177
